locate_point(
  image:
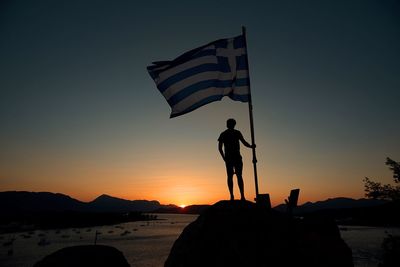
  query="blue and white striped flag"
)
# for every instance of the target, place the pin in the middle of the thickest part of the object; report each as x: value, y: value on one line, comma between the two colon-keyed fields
x: 204, y: 75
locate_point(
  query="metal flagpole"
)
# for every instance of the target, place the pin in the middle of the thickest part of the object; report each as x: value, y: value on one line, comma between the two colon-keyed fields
x: 251, y: 118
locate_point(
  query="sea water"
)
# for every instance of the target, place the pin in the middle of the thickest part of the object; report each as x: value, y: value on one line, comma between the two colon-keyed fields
x: 148, y: 243
x: 143, y: 243
x: 366, y: 243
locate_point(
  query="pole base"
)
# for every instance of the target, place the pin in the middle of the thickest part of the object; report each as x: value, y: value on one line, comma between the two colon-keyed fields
x: 263, y: 200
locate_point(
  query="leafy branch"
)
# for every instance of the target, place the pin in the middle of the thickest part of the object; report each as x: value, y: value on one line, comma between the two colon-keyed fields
x: 377, y: 190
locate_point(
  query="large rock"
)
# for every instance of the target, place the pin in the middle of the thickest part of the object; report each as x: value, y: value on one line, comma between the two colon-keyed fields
x: 84, y: 256
x: 240, y: 233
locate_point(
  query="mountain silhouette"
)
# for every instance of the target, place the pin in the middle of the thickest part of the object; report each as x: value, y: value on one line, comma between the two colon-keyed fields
x: 20, y: 202
x: 113, y: 204
x: 16, y: 202
x: 333, y: 203
x: 347, y: 211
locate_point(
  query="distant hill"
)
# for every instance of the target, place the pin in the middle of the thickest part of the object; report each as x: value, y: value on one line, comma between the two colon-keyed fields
x: 347, y: 211
x: 17, y: 202
x: 308, y: 207
x: 113, y: 204
x: 333, y: 203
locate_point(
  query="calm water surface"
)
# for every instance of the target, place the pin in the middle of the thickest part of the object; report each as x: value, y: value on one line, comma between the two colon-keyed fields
x: 366, y: 242
x: 144, y: 244
x: 148, y: 244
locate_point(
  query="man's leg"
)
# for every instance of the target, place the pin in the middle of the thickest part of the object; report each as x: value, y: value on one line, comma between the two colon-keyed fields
x: 238, y: 171
x: 229, y: 172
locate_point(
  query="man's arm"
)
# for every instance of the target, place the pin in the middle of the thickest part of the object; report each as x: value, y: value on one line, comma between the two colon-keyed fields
x: 244, y: 141
x: 220, y: 150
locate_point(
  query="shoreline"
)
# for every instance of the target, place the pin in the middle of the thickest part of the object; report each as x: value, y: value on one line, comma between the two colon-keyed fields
x: 68, y: 219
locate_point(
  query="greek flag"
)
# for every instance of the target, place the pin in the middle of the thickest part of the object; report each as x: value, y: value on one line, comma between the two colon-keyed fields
x: 204, y: 75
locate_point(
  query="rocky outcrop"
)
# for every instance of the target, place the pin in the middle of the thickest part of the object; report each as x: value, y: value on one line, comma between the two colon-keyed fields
x: 84, y: 256
x: 240, y: 233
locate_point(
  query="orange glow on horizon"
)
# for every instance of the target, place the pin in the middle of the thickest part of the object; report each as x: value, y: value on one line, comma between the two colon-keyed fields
x: 181, y: 190
x: 181, y: 181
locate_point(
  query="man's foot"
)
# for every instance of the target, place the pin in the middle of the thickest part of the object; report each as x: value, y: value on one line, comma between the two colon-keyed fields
x: 232, y: 198
x: 243, y: 198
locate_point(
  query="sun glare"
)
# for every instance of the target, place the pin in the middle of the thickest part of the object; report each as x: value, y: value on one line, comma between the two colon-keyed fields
x: 182, y: 206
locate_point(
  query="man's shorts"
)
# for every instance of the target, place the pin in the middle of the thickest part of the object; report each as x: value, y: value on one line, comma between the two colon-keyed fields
x: 234, y: 165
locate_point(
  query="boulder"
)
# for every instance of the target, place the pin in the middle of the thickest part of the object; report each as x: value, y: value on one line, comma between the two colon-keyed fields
x: 80, y: 256
x: 241, y: 233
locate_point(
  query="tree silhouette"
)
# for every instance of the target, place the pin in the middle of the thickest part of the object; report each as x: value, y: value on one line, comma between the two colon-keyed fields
x: 387, y: 191
x: 391, y: 243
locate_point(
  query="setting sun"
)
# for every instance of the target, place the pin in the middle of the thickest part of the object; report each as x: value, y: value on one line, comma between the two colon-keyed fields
x: 182, y: 206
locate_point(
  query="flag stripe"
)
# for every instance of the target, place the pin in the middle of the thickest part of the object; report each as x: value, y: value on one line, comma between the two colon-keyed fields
x: 203, y: 76
x: 242, y: 98
x: 242, y: 82
x: 198, y: 97
x: 195, y: 53
x: 178, y: 86
x: 190, y: 90
x: 187, y: 65
x: 187, y: 73
x: 204, y: 85
x: 158, y: 66
x: 241, y: 62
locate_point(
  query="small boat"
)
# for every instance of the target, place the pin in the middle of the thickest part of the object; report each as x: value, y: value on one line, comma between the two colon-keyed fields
x: 125, y: 233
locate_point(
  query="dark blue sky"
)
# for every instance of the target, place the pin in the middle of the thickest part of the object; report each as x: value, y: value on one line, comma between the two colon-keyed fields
x: 78, y: 108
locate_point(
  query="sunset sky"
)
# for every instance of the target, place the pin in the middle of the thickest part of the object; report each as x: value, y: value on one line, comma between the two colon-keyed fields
x: 80, y: 115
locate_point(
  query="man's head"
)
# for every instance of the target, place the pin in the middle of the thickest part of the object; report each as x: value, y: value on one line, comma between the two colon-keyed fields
x: 230, y: 123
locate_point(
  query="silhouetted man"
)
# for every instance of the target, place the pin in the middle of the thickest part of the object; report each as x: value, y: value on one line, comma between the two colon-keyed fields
x: 233, y: 160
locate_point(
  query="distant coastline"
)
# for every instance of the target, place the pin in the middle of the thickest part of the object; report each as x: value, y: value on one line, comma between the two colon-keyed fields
x: 67, y: 219
x: 27, y: 211
x: 23, y: 210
